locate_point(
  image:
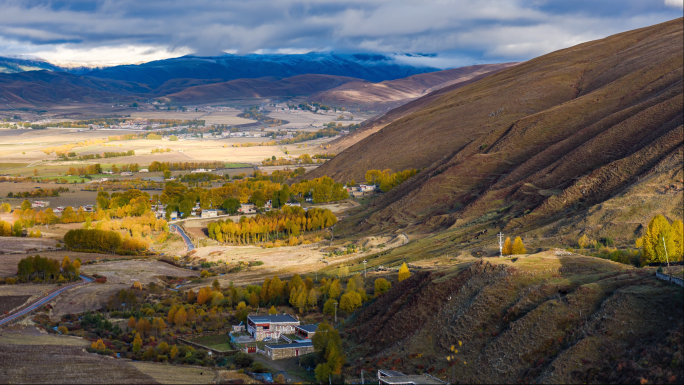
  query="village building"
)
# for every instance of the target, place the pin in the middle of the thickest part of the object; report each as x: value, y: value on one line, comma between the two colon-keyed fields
x: 247, y: 208
x: 393, y: 377
x: 278, y: 352
x: 126, y: 173
x: 144, y: 170
x: 305, y: 331
x: 40, y: 204
x: 263, y: 326
x: 209, y: 213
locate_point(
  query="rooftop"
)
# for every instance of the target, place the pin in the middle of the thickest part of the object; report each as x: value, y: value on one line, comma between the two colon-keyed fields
x: 293, y: 345
x: 272, y: 318
x: 308, y: 328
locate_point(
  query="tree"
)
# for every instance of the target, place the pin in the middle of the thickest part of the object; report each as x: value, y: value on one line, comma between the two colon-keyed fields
x: 192, y: 297
x: 312, y: 299
x: 172, y: 315
x: 507, y: 247
x: 350, y: 301
x: 173, y: 352
x: 66, y: 262
x: 382, y: 286
x: 98, y: 345
x: 137, y: 343
x: 18, y: 229
x: 404, y: 272
x: 144, y: 326
x: 272, y: 310
x: 158, y: 324
x: 180, y: 317
x: 205, y: 295
x: 25, y: 205
x: 231, y: 205
x: 658, y: 237
x: 62, y: 330
x: 328, y: 346
x: 253, y: 299
x: 132, y: 323
x: 518, y: 246
x: 329, y: 307
x: 216, y: 286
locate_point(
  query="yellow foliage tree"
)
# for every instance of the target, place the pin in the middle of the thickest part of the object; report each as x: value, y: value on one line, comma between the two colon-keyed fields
x: 65, y: 263
x: 181, y: 317
x: 132, y: 323
x: 137, y: 343
x: 518, y: 246
x: 99, y: 345
x: 507, y: 247
x: 657, y: 239
x: 204, y: 295
x: 678, y: 239
x: 404, y: 272
x: 272, y: 310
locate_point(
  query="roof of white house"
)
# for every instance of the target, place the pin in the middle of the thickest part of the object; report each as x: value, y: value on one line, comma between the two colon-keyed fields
x: 277, y: 318
x: 307, y: 328
x: 293, y: 345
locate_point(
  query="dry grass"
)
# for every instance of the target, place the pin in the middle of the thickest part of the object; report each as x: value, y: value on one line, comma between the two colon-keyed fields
x: 30, y: 335
x: 80, y: 299
x: 169, y: 374
x: 226, y: 117
x: 9, y: 262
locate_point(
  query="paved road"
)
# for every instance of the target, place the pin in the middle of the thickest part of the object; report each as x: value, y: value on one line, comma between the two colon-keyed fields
x: 43, y: 301
x: 185, y: 237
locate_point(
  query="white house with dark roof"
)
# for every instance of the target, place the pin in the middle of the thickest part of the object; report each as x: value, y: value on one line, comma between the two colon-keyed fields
x: 262, y: 326
x: 277, y: 352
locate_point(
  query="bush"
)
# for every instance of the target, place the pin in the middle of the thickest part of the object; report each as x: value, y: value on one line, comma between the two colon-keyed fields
x: 10, y: 281
x: 243, y: 360
x: 62, y: 330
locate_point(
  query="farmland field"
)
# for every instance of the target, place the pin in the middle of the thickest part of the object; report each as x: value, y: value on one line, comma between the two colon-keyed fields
x: 30, y: 335
x: 168, y: 374
x: 88, y: 297
x: 10, y: 302
x: 218, y: 342
x: 53, y: 364
x: 226, y: 117
x: 143, y: 271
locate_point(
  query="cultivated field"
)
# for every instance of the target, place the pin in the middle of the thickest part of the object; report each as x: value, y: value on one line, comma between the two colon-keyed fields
x: 308, y: 121
x: 52, y: 364
x: 226, y: 117
x: 30, y: 335
x: 168, y: 374
x: 89, y: 297
x: 14, y: 244
x: 8, y: 262
x: 160, y: 114
x: 143, y: 271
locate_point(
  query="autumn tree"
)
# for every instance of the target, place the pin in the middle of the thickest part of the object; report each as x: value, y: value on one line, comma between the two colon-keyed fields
x: 137, y: 343
x: 382, y: 286
x: 191, y: 297
x: 98, y: 345
x: 173, y: 352
x: 272, y: 310
x: 507, y: 247
x: 144, y: 326
x: 658, y: 238
x: 204, y: 295
x: 678, y: 240
x: 404, y: 272
x: 329, y: 307
x: 180, y: 317
x: 328, y: 345
x: 132, y: 323
x: 216, y: 286
x: 350, y: 301
x: 518, y: 246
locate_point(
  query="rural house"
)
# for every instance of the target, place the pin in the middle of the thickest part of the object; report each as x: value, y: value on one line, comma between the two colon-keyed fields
x: 262, y: 326
x: 305, y: 331
x: 277, y: 352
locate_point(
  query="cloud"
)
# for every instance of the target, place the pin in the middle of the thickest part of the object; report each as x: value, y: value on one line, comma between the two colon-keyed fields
x: 460, y: 32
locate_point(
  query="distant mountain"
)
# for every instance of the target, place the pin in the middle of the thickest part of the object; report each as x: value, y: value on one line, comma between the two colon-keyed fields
x: 53, y: 87
x: 371, y: 67
x: 394, y: 93
x: 259, y: 88
x: 10, y: 65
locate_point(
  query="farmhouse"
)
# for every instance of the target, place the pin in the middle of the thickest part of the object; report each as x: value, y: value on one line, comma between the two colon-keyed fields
x: 144, y: 170
x: 209, y: 213
x: 393, y: 377
x: 247, y: 208
x: 305, y: 331
x: 262, y: 326
x: 277, y: 352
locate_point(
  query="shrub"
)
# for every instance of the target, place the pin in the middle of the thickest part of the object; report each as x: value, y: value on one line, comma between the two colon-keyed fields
x: 10, y: 281
x: 243, y: 359
x: 63, y: 330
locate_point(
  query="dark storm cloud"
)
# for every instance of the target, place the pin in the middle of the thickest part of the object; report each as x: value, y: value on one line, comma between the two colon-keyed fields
x: 458, y: 30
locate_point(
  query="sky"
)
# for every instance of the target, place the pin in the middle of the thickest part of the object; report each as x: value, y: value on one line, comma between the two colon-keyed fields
x: 454, y: 32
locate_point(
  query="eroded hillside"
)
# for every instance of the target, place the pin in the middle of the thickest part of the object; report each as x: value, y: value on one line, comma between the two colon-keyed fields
x: 542, y: 318
x: 533, y: 144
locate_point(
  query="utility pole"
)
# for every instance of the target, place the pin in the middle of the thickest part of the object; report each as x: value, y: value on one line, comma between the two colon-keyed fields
x: 335, y: 311
x: 364, y: 268
x: 666, y: 257
x: 500, y: 235
x: 362, y: 377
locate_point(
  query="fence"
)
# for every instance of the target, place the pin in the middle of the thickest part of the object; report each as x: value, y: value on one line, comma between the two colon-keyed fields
x: 670, y: 279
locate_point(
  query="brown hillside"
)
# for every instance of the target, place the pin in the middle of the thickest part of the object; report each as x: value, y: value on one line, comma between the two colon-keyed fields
x: 537, y: 142
x: 259, y: 88
x: 536, y: 319
x: 390, y: 94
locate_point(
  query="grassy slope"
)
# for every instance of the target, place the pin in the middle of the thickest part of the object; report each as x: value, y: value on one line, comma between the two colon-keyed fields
x: 539, y: 318
x: 577, y: 127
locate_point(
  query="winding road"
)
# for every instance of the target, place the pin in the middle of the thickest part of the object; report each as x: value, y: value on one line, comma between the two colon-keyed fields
x: 185, y: 237
x: 43, y: 301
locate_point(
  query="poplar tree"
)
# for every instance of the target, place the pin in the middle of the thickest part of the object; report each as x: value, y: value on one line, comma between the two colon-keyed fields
x: 507, y: 247
x: 659, y: 235
x: 518, y: 246
x: 404, y: 272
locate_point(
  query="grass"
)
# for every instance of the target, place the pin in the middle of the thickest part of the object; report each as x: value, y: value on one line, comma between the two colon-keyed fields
x: 237, y: 165
x: 219, y: 342
x: 170, y: 374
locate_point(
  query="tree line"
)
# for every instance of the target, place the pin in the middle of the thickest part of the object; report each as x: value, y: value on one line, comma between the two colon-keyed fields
x: 291, y: 221
x: 39, y: 269
x: 39, y: 193
x: 387, y: 180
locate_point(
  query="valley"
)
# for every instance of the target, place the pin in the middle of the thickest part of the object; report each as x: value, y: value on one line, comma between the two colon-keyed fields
x: 318, y: 217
